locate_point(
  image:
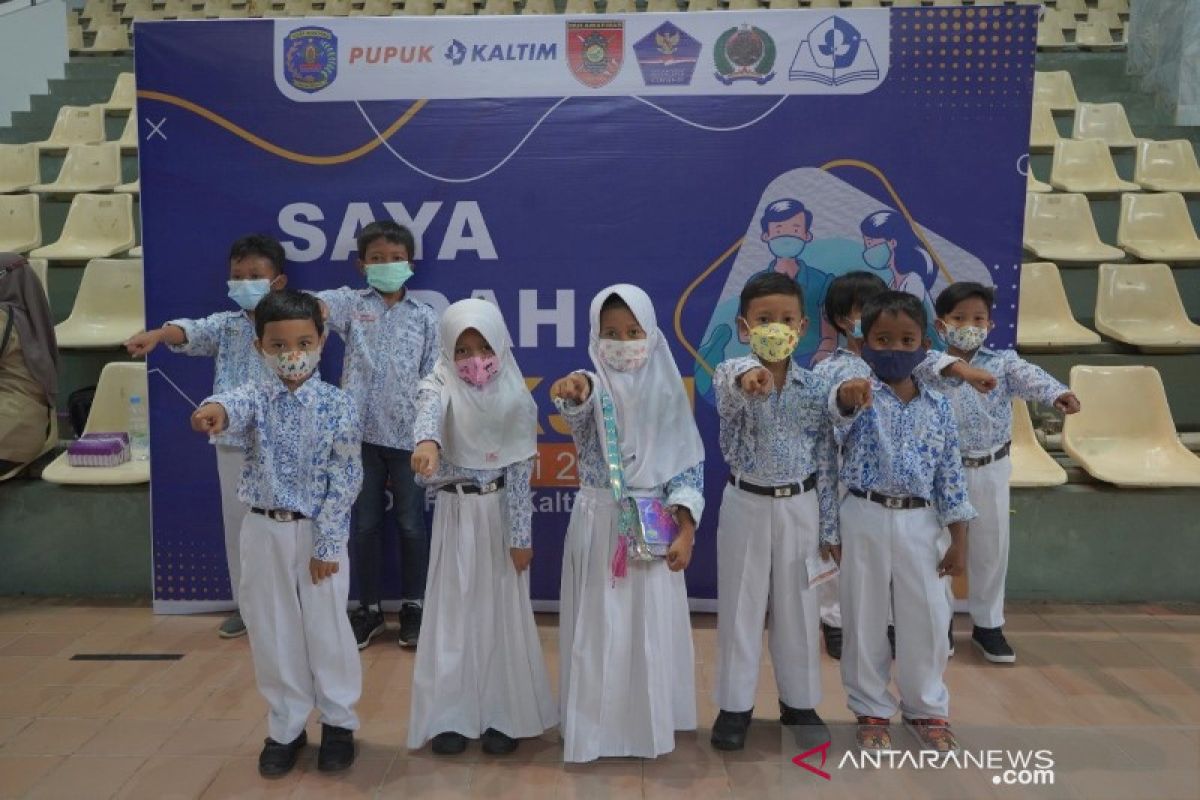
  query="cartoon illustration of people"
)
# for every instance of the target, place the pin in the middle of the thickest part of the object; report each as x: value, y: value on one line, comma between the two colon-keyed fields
x: 892, y: 249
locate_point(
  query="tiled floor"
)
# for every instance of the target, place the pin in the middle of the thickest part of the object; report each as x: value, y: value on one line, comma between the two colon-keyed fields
x: 193, y: 728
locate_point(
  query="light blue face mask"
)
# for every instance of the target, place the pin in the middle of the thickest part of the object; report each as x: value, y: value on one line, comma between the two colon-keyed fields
x: 786, y: 246
x: 877, y: 256
x: 247, y: 293
x: 388, y: 278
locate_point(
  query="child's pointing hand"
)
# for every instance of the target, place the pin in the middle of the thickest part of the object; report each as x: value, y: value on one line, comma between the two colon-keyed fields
x: 574, y: 388
x: 210, y: 418
x: 756, y: 382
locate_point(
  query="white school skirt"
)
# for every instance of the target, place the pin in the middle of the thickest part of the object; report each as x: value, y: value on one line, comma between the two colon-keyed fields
x: 627, y: 666
x: 479, y: 662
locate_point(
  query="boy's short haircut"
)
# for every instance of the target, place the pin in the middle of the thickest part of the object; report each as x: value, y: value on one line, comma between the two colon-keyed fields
x: 955, y: 293
x: 784, y: 209
x: 850, y: 290
x: 258, y: 244
x: 768, y: 283
x: 287, y: 304
x: 890, y: 302
x: 393, y: 232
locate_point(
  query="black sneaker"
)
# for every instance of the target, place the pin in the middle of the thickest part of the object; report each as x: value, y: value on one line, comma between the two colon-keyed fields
x: 993, y: 645
x: 807, y: 728
x: 496, y: 743
x: 449, y: 743
x: 833, y: 641
x: 951, y: 635
x: 337, y: 749
x: 367, y: 623
x: 410, y: 624
x: 277, y: 760
x: 729, y: 731
x: 892, y: 640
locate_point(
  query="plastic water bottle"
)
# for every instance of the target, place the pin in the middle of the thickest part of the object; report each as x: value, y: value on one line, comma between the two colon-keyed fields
x: 139, y: 429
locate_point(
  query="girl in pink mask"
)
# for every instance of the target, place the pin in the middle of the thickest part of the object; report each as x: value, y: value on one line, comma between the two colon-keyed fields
x: 479, y: 672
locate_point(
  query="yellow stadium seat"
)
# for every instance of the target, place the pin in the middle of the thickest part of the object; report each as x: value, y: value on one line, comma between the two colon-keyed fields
x: 1044, y: 318
x: 225, y: 9
x: 129, y: 136
x: 662, y: 6
x: 1157, y: 227
x: 1106, y: 17
x: 97, y: 226
x: 1031, y: 465
x: 41, y: 268
x: 819, y: 4
x: 1105, y: 121
x: 110, y: 40
x: 419, y: 8
x: 103, y: 19
x: 783, y: 4
x: 18, y: 167
x: 744, y: 5
x: 1119, y: 6
x: 119, y: 380
x: 505, y: 7
x: 140, y: 9
x: 374, y: 8
x: 20, y: 222
x: 297, y: 8
x: 74, y: 38
x: 181, y: 9
x: 1064, y: 20
x: 1055, y: 90
x: 87, y: 168
x: 539, y: 7
x: 1084, y: 165
x: 865, y: 4
x: 75, y: 125
x: 337, y: 8
x: 109, y: 306
x: 1050, y: 35
x: 1072, y: 6
x: 1139, y: 304
x: 700, y: 5
x: 1167, y: 166
x: 457, y: 8
x: 948, y: 3
x: 1059, y: 227
x: 134, y: 188
x: 93, y: 7
x: 1095, y: 36
x: 906, y: 3
x: 1032, y: 184
x: 1043, y: 133
x: 620, y: 7
x: 1124, y: 432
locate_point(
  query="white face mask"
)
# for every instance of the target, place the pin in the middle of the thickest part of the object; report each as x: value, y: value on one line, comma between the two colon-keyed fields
x: 967, y: 338
x: 624, y: 356
x: 293, y: 365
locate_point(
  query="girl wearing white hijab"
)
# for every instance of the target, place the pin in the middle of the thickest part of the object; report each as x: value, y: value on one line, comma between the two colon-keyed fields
x: 627, y: 666
x: 479, y: 671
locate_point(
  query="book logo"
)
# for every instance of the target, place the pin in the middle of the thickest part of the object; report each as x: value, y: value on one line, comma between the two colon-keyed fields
x: 834, y: 53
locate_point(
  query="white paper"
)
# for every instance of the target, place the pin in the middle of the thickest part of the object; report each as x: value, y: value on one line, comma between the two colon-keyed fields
x: 820, y: 569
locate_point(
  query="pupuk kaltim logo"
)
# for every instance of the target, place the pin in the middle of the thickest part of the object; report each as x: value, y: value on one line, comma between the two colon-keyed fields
x: 595, y: 51
x: 310, y: 58
x: 744, y: 53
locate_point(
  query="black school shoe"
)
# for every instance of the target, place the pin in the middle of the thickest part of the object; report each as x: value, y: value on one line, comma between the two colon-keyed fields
x: 993, y: 645
x: 833, y: 641
x: 367, y: 623
x: 277, y: 760
x: 337, y: 749
x: 410, y: 624
x: 449, y: 743
x: 807, y: 728
x: 495, y: 743
x: 729, y: 731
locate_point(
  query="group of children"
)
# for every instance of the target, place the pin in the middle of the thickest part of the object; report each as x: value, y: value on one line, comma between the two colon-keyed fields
x: 886, y: 459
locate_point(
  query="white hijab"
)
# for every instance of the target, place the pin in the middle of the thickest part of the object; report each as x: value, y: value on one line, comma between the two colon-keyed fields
x: 486, y: 428
x: 657, y: 431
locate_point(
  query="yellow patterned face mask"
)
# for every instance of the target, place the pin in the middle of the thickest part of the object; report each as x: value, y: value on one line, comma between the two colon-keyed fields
x: 774, y: 341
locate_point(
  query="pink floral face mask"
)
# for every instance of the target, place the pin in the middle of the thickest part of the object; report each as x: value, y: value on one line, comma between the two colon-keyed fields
x: 478, y: 370
x: 627, y: 356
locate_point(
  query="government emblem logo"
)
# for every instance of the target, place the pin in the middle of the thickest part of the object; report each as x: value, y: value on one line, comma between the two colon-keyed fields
x: 595, y: 51
x: 744, y: 53
x: 310, y: 58
x: 667, y: 56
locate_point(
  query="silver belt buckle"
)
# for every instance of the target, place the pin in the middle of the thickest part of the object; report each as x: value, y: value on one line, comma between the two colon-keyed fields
x: 783, y: 491
x: 894, y: 503
x: 489, y: 488
x: 279, y: 515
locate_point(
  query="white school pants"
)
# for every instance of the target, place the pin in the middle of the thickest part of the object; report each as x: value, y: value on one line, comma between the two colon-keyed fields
x: 304, y: 651
x: 891, y: 557
x: 987, y: 541
x: 762, y: 543
x: 233, y: 510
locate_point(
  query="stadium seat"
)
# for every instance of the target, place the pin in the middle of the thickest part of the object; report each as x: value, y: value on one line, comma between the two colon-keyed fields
x: 505, y: 7
x: 419, y: 8
x: 1105, y: 121
x: 1043, y: 134
x: 140, y: 9
x: 948, y: 3
x: 620, y: 7
x: 134, y: 188
x: 87, y: 168
x: 75, y: 125
x: 906, y: 3
x: 1095, y: 36
x: 1059, y: 227
x: 744, y: 5
x: 1106, y: 17
x: 109, y: 413
x: 865, y: 4
x: 1084, y: 165
x: 181, y: 9
x: 819, y: 4
x: 1032, y: 184
x: 783, y: 4
x: 374, y: 8
x: 1139, y: 304
x: 1050, y: 35
x: 224, y: 9
x: 1064, y: 20
x: 1044, y: 318
x: 20, y: 222
x: 1078, y: 7
x: 699, y: 5
x: 1157, y: 227
x: 97, y: 226
x: 110, y: 40
x: 129, y: 136
x: 136, y: 252
x: 1167, y: 166
x: 74, y: 39
x: 459, y: 8
x: 1031, y: 465
x: 1120, y: 6
x: 102, y: 19
x: 41, y: 268
x: 337, y: 8
x: 93, y: 7
x: 662, y: 6
x: 109, y: 306
x: 1124, y: 432
x: 18, y: 167
x: 297, y: 8
x: 538, y: 7
x: 1054, y: 90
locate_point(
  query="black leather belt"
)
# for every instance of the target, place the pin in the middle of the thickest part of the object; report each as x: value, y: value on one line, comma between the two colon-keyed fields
x: 471, y: 488
x: 894, y: 503
x: 786, y: 490
x: 279, y: 514
x: 983, y: 461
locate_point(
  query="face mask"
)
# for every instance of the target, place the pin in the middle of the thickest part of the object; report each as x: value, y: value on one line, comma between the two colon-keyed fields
x: 893, y: 365
x: 786, y: 246
x: 478, y: 370
x: 624, y: 356
x: 293, y: 365
x: 966, y: 338
x: 247, y: 293
x: 877, y: 256
x: 774, y: 341
x: 388, y: 278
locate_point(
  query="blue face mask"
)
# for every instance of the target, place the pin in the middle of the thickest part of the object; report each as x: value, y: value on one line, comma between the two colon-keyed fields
x: 786, y: 246
x: 247, y: 293
x: 388, y: 278
x: 893, y: 366
x: 877, y: 256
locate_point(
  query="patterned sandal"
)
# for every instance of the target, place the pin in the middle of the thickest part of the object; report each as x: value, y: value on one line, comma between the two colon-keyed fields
x: 873, y: 734
x: 934, y: 734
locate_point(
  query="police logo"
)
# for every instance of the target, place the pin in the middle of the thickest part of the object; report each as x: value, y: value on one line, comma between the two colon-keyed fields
x: 310, y: 58
x: 595, y: 51
x: 834, y: 53
x: 667, y: 56
x: 744, y: 53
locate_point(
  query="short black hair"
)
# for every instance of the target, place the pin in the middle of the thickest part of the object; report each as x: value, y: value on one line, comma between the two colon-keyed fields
x: 850, y: 290
x: 892, y: 302
x: 768, y: 283
x: 393, y: 232
x: 258, y: 244
x: 287, y: 304
x: 955, y: 293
